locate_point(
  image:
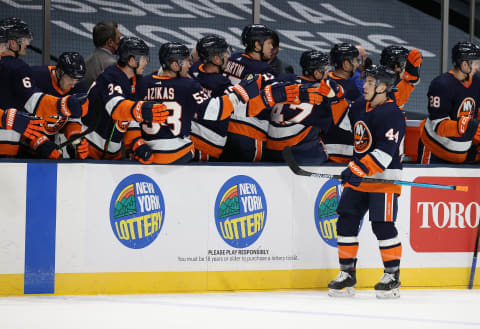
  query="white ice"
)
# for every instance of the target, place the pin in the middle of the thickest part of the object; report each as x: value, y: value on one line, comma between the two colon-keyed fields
x: 247, y: 310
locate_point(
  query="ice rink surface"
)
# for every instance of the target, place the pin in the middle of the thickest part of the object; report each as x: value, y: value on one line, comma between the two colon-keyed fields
x: 289, y: 309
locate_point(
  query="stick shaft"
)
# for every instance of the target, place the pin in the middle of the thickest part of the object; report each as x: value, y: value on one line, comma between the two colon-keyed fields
x: 288, y: 156
x: 474, y: 260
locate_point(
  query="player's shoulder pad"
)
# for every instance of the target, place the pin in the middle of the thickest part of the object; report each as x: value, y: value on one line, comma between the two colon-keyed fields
x: 16, y: 65
x: 442, y: 84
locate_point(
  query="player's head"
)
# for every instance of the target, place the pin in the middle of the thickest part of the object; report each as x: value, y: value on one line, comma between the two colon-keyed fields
x: 70, y: 69
x: 258, y: 39
x: 16, y: 34
x: 394, y: 57
x: 345, y: 56
x: 379, y: 79
x: 134, y: 53
x: 175, y: 57
x: 105, y: 34
x: 214, y: 49
x: 465, y: 57
x: 314, y: 64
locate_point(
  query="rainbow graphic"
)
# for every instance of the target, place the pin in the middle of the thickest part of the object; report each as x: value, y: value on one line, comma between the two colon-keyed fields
x: 125, y: 203
x: 328, y: 203
x: 229, y: 204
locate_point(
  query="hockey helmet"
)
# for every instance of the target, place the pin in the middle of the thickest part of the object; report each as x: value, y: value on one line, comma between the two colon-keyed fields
x: 465, y: 51
x: 72, y: 64
x: 132, y: 47
x: 212, y: 45
x: 343, y: 51
x: 13, y: 28
x: 394, y: 55
x: 255, y: 32
x: 312, y: 60
x: 172, y: 52
x: 382, y: 74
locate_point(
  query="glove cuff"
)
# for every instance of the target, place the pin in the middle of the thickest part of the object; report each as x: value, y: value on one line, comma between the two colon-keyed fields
x: 463, y: 124
x: 8, y: 118
x: 357, y: 169
x: 34, y: 144
x: 137, y: 142
x: 137, y: 111
x: 63, y: 106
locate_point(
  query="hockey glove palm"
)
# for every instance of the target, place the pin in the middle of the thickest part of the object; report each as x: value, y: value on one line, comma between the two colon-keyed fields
x: 74, y: 106
x: 331, y: 90
x: 142, y: 152
x: 150, y: 112
x: 22, y: 123
x: 412, y: 67
x: 354, y: 172
x: 45, y: 148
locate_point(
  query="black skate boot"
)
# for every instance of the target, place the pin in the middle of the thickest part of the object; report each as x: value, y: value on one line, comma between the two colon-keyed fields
x: 388, y: 285
x: 343, y: 285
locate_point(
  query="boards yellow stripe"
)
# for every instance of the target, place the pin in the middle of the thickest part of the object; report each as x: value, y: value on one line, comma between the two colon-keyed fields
x: 192, y: 282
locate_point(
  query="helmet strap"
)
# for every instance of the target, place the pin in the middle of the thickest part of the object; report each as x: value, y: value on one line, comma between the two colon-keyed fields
x: 15, y: 52
x: 467, y: 73
x: 375, y: 93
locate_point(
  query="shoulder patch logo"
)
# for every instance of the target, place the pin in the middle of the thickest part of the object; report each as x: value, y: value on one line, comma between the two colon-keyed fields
x: 466, y: 108
x: 362, y: 137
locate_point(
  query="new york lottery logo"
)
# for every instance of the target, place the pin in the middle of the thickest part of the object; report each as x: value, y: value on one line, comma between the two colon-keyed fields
x: 326, y: 211
x: 240, y: 211
x: 137, y: 211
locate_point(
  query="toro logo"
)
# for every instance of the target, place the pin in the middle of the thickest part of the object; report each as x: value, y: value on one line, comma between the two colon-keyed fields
x: 137, y: 210
x: 240, y: 211
x: 444, y: 220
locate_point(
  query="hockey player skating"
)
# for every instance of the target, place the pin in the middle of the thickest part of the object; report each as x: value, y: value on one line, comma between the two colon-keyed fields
x: 379, y: 128
x: 452, y: 130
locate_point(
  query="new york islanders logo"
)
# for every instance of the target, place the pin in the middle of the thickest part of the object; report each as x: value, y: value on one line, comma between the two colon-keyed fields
x: 240, y: 211
x: 467, y: 108
x: 137, y: 211
x: 362, y: 137
x: 53, y: 124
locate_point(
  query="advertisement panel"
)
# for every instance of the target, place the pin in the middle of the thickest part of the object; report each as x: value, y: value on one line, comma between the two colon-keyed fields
x: 444, y: 220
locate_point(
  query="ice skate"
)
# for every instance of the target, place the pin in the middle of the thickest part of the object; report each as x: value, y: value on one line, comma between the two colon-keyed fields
x: 388, y: 286
x: 343, y: 285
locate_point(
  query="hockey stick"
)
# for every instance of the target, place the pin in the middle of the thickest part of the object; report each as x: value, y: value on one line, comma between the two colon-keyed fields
x: 40, y: 51
x: 107, y: 142
x: 474, y: 260
x: 288, y: 156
